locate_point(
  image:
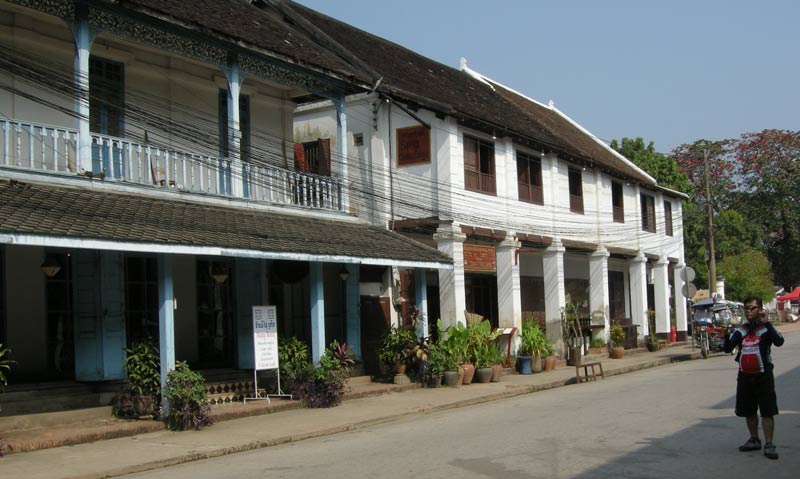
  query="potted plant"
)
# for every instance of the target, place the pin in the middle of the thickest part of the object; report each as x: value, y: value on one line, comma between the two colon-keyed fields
x: 458, y: 340
x: 482, y: 347
x: 188, y: 400
x: 396, y: 349
x: 617, y: 341
x: 652, y: 339
x: 5, y: 367
x: 144, y: 381
x: 435, y: 365
x: 293, y: 359
x: 324, y: 385
x: 549, y: 356
x: 528, y: 346
x: 571, y: 332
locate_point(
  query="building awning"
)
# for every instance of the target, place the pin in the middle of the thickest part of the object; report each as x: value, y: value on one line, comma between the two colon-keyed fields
x: 37, y: 214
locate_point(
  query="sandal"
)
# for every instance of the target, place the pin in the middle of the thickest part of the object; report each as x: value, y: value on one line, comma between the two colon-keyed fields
x: 770, y: 450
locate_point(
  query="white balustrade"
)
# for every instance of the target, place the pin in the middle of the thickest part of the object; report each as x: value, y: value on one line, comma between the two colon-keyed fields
x: 52, y: 149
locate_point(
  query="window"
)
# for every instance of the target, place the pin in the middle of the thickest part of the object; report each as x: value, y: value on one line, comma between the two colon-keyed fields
x: 648, y: 213
x: 479, y: 166
x: 617, y: 203
x: 60, y: 330
x: 668, y: 217
x: 244, y: 125
x: 529, y: 179
x: 106, y: 96
x: 575, y: 191
x: 313, y: 157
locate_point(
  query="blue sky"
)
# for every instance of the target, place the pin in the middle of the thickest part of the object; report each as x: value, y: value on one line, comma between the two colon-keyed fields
x: 669, y: 71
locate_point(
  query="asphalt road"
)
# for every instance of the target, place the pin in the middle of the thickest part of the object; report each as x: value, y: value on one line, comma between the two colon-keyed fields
x: 668, y: 422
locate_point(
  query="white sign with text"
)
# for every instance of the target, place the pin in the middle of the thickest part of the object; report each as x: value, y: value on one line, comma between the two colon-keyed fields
x: 265, y: 337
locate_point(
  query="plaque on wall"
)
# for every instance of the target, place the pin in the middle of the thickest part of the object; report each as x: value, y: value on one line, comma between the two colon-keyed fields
x: 413, y: 145
x: 479, y: 258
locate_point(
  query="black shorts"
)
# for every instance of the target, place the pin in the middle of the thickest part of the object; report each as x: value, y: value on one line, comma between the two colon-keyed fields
x: 756, y: 392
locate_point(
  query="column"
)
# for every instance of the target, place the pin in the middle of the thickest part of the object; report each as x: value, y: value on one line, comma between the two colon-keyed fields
x: 509, y: 298
x: 317, y: 297
x: 598, y: 287
x: 554, y: 294
x: 236, y: 186
x: 353, y: 320
x: 452, y: 299
x: 638, y: 283
x: 83, y: 44
x: 680, y: 302
x: 166, y: 322
x: 661, y: 286
x: 341, y: 150
x: 421, y: 289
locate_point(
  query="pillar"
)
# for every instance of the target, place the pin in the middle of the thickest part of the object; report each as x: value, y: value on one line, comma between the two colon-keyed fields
x: 638, y: 284
x: 166, y: 322
x: 598, y: 287
x: 341, y: 150
x: 83, y: 44
x: 421, y: 289
x: 509, y: 298
x: 661, y: 286
x: 554, y: 293
x: 236, y: 179
x: 317, y: 297
x: 452, y: 298
x: 680, y: 302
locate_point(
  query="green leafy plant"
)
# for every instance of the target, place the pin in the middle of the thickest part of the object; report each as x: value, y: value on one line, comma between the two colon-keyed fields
x: 5, y: 367
x: 397, y: 347
x: 144, y: 368
x: 324, y: 385
x: 533, y: 341
x: 437, y: 359
x: 188, y: 401
x: 651, y: 325
x: 597, y: 343
x: 457, y: 342
x: 617, y: 335
x: 570, y: 325
x: 293, y: 358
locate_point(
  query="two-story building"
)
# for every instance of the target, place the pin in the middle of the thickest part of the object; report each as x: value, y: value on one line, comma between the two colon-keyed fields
x: 149, y: 188
x: 532, y: 208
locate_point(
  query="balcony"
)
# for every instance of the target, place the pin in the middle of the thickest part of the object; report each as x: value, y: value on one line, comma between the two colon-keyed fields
x: 48, y: 149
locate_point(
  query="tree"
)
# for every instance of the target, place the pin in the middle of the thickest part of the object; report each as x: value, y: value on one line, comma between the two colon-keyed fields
x: 769, y: 180
x: 659, y: 166
x: 747, y: 273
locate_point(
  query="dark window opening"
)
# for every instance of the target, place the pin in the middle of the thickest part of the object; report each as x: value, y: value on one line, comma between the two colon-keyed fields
x: 313, y: 157
x: 575, y: 191
x: 479, y: 173
x: 529, y: 179
x: 106, y: 96
x: 617, y: 203
x: 215, y: 314
x: 244, y: 125
x: 60, y: 331
x: 668, y: 218
x: 141, y: 298
x: 648, y: 213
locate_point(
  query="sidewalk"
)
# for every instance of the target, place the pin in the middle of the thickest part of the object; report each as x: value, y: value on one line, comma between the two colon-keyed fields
x: 241, y: 427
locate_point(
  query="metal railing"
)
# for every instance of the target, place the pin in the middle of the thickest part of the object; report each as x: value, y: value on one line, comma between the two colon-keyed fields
x: 45, y: 148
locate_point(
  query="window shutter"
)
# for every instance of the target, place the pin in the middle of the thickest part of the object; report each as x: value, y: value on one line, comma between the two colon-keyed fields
x: 244, y: 126
x: 325, y: 160
x: 470, y: 155
x: 300, y: 163
x: 222, y: 113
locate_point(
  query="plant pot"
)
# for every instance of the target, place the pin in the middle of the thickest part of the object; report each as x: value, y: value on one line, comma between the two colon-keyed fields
x: 497, y: 372
x: 434, y: 380
x: 617, y: 352
x: 536, y: 363
x: 651, y: 346
x: 484, y: 375
x: 549, y: 363
x: 400, y: 368
x: 143, y: 406
x: 469, y: 372
x: 524, y: 364
x: 574, y: 356
x: 451, y: 378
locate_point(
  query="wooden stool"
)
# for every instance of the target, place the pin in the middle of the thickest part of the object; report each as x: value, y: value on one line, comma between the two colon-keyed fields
x: 586, y: 367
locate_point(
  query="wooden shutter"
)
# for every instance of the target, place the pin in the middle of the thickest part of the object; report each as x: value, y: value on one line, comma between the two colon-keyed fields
x: 325, y: 157
x: 300, y: 163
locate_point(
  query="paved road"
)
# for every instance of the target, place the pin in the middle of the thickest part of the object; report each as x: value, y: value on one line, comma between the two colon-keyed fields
x: 673, y: 421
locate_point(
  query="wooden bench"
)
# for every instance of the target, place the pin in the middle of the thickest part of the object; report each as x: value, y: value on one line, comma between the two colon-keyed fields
x: 586, y: 376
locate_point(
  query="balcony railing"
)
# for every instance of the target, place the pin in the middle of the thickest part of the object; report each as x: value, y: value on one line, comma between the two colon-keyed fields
x: 576, y: 204
x: 50, y: 149
x: 619, y: 214
x: 480, y: 182
x: 530, y: 193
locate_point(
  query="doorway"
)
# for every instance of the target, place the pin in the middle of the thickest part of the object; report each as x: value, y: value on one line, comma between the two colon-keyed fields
x: 481, y: 296
x: 375, y: 322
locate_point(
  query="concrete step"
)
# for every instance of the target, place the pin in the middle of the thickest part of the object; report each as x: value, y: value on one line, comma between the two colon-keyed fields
x: 49, y: 419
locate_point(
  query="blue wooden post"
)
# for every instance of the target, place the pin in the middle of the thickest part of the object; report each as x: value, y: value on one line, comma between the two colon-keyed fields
x: 421, y: 287
x: 354, y: 309
x: 317, y: 294
x: 166, y: 322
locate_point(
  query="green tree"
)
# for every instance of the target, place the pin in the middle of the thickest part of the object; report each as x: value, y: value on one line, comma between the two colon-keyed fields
x: 659, y: 166
x: 747, y: 273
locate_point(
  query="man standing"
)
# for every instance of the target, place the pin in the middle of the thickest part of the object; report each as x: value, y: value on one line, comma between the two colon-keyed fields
x: 755, y: 387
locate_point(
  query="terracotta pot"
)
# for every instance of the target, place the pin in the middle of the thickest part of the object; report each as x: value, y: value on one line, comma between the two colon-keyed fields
x: 483, y: 375
x: 497, y: 372
x: 536, y: 363
x: 460, y: 379
x: 400, y: 368
x: 469, y: 372
x: 617, y: 352
x: 550, y: 362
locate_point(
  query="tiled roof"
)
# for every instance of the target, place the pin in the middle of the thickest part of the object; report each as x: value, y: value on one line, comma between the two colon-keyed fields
x: 88, y: 214
x: 253, y: 24
x: 444, y: 89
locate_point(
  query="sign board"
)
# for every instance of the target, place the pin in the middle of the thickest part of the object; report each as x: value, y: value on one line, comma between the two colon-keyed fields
x: 689, y: 290
x: 479, y: 258
x: 265, y: 337
x: 688, y: 274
